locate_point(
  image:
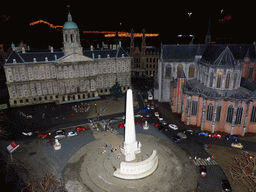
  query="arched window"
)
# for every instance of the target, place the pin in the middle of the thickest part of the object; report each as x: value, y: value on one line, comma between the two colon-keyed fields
x: 218, y: 113
x: 253, y: 114
x: 77, y: 38
x: 230, y: 114
x: 191, y: 72
x: 168, y: 71
x: 209, y: 112
x: 219, y: 79
x: 72, y: 38
x: 179, y: 69
x: 234, y: 82
x: 187, y: 105
x: 239, y: 115
x: 227, y: 81
x: 194, y: 107
x: 211, y: 79
x: 66, y: 37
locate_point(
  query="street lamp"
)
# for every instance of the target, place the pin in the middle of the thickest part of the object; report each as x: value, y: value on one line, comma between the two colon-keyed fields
x: 95, y: 107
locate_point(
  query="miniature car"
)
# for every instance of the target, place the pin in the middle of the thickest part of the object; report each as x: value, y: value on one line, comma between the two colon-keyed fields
x: 237, y: 145
x: 203, y: 133
x: 215, y: 135
x: 113, y: 120
x: 232, y: 137
x: 160, y: 118
x: 43, y: 135
x: 121, y: 125
x: 71, y: 134
x: 156, y: 114
x: 226, y: 185
x: 182, y: 135
x: 80, y: 128
x: 27, y: 134
x: 176, y: 139
x: 203, y: 170
x: 136, y: 122
x: 156, y: 124
x: 173, y: 126
x: 60, y: 134
x: 163, y: 122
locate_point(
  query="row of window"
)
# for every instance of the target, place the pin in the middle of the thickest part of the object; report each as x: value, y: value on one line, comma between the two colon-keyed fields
x: 230, y: 112
x: 168, y: 71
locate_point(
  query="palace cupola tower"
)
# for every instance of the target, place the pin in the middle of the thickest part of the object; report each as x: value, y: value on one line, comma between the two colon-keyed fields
x: 71, y: 37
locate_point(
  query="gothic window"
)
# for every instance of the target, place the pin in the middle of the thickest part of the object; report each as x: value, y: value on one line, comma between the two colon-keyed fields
x: 209, y: 112
x: 230, y: 114
x: 239, y: 115
x: 168, y: 71
x: 194, y: 107
x: 218, y: 113
x: 250, y: 72
x: 211, y: 79
x: 253, y: 114
x: 191, y: 72
x: 227, y: 81
x: 219, y: 80
x: 66, y: 37
x: 77, y: 38
x: 187, y: 105
x: 179, y: 68
x: 234, y: 82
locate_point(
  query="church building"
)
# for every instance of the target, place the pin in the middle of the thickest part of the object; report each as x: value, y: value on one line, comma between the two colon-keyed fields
x: 202, y: 83
x: 72, y: 74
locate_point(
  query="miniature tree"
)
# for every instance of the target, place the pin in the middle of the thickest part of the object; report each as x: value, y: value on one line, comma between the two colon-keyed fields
x: 243, y: 170
x: 116, y: 91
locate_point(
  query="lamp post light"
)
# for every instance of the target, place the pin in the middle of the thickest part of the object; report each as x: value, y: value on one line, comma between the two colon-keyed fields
x: 50, y: 138
x: 95, y: 107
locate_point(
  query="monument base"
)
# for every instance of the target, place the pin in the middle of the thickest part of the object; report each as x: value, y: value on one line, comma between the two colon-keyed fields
x: 137, y: 170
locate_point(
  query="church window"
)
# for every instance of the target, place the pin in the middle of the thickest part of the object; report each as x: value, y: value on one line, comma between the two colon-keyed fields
x: 77, y: 38
x: 211, y: 79
x: 13, y: 94
x: 42, y: 75
x: 227, y: 81
x: 250, y: 72
x: 230, y: 114
x: 218, y: 113
x: 253, y: 114
x: 219, y: 80
x: 234, y: 82
x: 10, y: 77
x: 191, y: 72
x: 194, y: 107
x: 72, y: 38
x: 239, y: 114
x: 17, y: 78
x: 187, y: 105
x: 209, y: 112
x: 179, y: 68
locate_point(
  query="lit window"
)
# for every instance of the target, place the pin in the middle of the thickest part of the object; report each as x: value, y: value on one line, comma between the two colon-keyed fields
x: 227, y: 81
x: 219, y: 80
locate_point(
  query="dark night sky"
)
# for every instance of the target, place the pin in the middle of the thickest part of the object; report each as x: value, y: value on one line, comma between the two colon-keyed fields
x: 160, y: 17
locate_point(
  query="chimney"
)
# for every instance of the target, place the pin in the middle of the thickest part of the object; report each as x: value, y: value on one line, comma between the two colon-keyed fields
x: 46, y: 58
x: 92, y: 55
x: 91, y: 47
x: 14, y: 60
x: 23, y: 50
x: 99, y: 56
x: 34, y: 60
x: 108, y: 56
x: 52, y: 49
x: 120, y: 44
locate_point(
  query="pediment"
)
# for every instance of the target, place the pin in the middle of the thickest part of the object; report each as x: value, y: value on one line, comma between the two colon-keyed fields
x: 74, y: 57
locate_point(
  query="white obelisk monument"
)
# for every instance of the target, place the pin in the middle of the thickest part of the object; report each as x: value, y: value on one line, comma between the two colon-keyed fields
x: 131, y: 146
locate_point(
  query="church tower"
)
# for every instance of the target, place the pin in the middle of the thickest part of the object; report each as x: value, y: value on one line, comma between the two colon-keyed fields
x: 208, y: 36
x: 71, y: 37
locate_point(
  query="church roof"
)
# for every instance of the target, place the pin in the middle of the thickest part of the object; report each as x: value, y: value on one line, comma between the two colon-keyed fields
x: 181, y: 52
x: 28, y: 57
x: 223, y: 55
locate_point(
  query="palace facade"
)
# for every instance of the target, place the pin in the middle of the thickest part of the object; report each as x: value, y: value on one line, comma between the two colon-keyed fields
x: 202, y: 83
x: 72, y: 74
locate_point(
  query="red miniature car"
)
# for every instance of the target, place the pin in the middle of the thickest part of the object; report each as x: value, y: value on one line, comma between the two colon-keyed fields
x: 156, y: 124
x: 136, y: 122
x: 43, y: 135
x: 80, y: 128
x: 216, y: 135
x: 121, y: 125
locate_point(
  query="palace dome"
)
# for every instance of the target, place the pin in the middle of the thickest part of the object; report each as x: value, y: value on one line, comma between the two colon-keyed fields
x: 70, y: 24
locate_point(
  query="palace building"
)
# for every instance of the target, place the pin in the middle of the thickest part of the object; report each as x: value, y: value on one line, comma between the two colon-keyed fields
x: 202, y: 83
x: 72, y: 74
